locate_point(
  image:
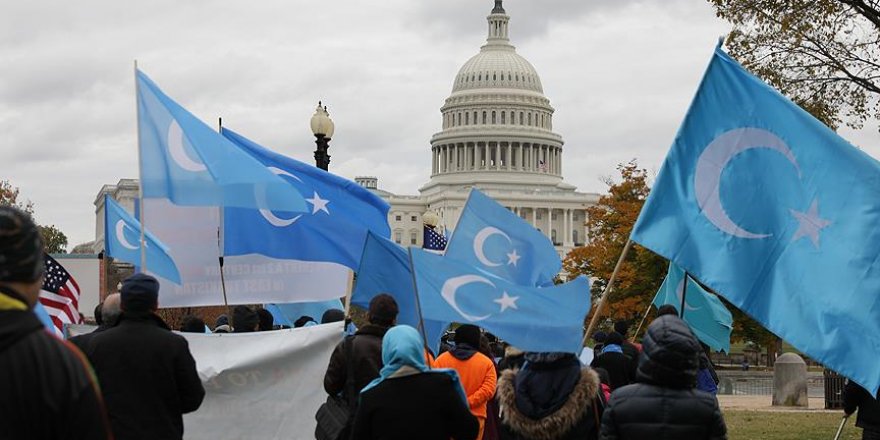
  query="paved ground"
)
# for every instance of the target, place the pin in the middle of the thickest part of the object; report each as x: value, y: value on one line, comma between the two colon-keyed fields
x: 763, y: 403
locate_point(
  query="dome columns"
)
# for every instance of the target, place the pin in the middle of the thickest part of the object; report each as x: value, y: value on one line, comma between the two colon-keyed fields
x: 501, y: 155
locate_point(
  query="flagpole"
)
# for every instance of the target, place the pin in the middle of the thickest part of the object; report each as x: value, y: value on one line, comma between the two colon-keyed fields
x: 633, y: 339
x: 412, y: 271
x: 349, y: 293
x: 104, y: 291
x: 601, y: 305
x: 143, y: 215
x: 684, y: 292
x: 221, y: 240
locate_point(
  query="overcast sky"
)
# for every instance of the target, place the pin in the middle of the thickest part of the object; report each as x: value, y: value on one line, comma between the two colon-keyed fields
x: 619, y: 73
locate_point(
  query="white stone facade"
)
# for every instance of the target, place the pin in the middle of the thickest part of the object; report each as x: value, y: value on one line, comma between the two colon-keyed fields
x: 497, y: 135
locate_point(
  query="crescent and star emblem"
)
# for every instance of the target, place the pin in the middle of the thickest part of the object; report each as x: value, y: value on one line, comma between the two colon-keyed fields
x: 480, y: 242
x: 178, y: 152
x: 707, y: 182
x: 120, y: 236
x: 450, y: 289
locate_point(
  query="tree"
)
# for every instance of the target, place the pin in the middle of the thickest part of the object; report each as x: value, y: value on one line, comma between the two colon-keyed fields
x: 55, y: 241
x: 609, y: 223
x: 823, y: 54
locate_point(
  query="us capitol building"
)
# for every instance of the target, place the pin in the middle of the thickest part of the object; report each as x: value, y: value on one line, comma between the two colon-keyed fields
x: 497, y: 135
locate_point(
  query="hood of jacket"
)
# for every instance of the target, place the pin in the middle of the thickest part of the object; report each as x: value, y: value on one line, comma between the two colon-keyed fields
x: 670, y: 354
x: 463, y: 351
x: 555, y: 424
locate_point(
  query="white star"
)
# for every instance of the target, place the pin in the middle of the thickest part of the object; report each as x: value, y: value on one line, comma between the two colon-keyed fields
x: 318, y: 204
x: 809, y: 223
x: 512, y: 258
x: 507, y: 302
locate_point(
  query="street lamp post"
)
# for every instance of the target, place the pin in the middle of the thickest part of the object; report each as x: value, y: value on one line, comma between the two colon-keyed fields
x: 322, y: 128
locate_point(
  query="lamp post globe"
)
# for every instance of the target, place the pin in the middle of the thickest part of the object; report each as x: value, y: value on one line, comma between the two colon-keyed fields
x: 322, y: 127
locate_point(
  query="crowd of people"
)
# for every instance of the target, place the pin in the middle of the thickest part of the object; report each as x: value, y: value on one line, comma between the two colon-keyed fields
x: 133, y: 378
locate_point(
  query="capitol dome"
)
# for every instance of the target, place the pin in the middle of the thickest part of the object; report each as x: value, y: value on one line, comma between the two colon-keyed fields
x: 497, y: 123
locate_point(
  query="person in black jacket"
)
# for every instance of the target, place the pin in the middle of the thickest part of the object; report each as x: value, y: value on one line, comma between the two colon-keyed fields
x: 664, y: 405
x: 147, y: 373
x: 110, y: 311
x: 47, y: 389
x: 409, y: 400
x: 551, y: 398
x: 621, y: 369
x: 856, y: 397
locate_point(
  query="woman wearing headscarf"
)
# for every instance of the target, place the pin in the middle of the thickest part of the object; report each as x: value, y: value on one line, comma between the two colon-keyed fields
x: 408, y: 400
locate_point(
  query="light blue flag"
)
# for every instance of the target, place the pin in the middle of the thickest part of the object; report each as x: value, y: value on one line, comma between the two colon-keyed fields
x: 530, y: 318
x: 385, y: 268
x: 288, y: 313
x: 710, y: 321
x: 492, y: 238
x: 185, y: 161
x: 773, y: 210
x: 122, y: 241
x: 334, y: 228
x: 44, y: 317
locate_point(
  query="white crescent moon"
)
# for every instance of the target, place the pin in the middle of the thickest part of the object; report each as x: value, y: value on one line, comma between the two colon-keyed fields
x: 175, y: 148
x: 270, y: 217
x: 480, y: 240
x: 120, y: 235
x: 453, y: 284
x: 711, y: 164
x: 679, y: 292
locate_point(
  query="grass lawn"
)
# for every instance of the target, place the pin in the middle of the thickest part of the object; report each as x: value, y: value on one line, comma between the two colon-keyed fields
x: 751, y: 425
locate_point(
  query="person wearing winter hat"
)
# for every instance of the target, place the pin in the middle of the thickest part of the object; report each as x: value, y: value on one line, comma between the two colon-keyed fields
x: 48, y: 389
x: 477, y: 371
x: 664, y: 404
x: 244, y: 320
x: 147, y: 373
x: 552, y: 398
x: 621, y: 369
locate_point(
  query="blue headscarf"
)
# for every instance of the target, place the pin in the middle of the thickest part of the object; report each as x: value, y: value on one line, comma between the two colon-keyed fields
x: 403, y: 346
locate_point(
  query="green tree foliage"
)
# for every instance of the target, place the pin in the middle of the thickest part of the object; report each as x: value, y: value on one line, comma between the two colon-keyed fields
x: 609, y: 223
x: 823, y: 54
x: 54, y: 240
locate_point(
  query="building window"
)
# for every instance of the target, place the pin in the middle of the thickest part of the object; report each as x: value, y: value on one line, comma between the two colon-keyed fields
x: 493, y: 116
x: 413, y: 237
x: 553, y: 236
x: 484, y: 118
x: 520, y: 118
x: 398, y: 236
x: 458, y: 118
x: 414, y: 218
x: 503, y: 121
x: 398, y: 218
x: 574, y: 235
x: 553, y: 216
x: 467, y: 119
x: 475, y: 117
x: 538, y: 215
x: 530, y: 119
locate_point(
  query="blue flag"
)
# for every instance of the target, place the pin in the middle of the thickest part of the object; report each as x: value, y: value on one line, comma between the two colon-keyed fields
x: 185, y: 161
x: 122, y: 238
x: 490, y: 237
x: 710, y: 321
x: 288, y: 313
x: 385, y: 268
x: 773, y: 210
x: 530, y: 318
x: 332, y: 230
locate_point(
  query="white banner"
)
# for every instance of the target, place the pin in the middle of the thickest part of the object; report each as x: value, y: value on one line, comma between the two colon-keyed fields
x: 191, y: 236
x: 265, y: 385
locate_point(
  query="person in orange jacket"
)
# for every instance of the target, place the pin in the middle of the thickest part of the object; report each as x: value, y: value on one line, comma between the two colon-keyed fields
x: 477, y: 372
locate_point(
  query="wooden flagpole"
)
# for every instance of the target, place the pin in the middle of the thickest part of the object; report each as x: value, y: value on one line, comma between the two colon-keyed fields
x: 601, y: 306
x: 220, y: 243
x: 142, y: 216
x: 647, y: 311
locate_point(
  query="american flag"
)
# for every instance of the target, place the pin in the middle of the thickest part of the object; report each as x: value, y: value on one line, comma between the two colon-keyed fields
x: 60, y: 295
x: 433, y: 240
x: 542, y: 166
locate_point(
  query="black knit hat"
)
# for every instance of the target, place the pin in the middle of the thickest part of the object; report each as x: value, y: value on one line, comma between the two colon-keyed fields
x: 139, y: 293
x: 468, y: 334
x: 332, y: 315
x: 21, y: 247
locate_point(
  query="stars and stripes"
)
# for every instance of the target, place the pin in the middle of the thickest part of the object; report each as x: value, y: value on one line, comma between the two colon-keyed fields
x: 433, y: 240
x: 60, y: 295
x: 542, y: 166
